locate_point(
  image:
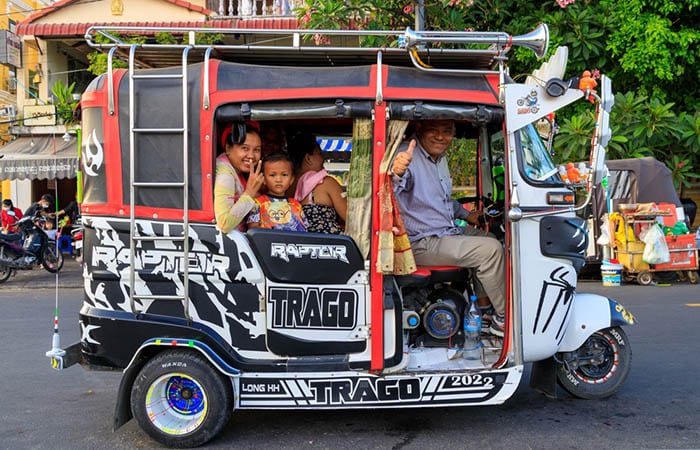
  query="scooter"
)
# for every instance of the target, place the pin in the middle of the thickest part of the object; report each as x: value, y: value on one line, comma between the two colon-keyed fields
x: 77, y: 238
x: 31, y: 245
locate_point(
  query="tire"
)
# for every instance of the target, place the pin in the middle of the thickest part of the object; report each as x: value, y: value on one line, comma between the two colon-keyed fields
x: 692, y: 277
x: 602, y: 377
x: 645, y: 278
x: 53, y: 259
x: 5, y: 273
x: 181, y: 400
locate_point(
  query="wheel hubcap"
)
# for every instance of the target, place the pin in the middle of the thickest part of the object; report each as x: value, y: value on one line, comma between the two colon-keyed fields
x: 600, y: 361
x: 176, y: 404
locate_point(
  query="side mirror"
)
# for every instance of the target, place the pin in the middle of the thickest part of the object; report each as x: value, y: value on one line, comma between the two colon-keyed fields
x: 602, y: 133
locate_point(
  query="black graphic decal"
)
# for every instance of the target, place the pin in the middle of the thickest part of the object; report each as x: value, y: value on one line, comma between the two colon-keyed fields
x: 563, y: 290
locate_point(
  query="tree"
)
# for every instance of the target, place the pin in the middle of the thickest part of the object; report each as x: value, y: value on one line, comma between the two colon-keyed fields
x: 649, y: 48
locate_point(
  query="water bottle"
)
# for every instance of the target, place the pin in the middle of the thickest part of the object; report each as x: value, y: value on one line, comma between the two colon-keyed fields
x: 472, y: 330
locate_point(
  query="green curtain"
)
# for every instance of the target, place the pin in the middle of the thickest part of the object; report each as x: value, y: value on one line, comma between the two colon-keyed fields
x: 359, y: 189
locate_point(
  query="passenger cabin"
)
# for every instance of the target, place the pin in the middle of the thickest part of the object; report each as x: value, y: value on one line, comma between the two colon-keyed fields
x: 149, y: 143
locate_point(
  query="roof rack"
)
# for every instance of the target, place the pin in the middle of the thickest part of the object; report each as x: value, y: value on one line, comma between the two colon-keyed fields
x: 482, y: 52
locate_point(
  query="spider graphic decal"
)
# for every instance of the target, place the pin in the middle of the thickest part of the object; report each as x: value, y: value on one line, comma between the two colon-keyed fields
x: 557, y: 293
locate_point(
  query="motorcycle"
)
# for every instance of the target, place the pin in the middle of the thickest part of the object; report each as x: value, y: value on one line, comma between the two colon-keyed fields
x: 31, y: 245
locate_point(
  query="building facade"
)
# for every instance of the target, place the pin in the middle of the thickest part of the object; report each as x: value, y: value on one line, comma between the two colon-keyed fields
x: 52, y: 35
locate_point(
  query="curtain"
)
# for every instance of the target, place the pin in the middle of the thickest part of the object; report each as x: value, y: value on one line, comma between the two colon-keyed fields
x: 359, y: 190
x: 395, y: 255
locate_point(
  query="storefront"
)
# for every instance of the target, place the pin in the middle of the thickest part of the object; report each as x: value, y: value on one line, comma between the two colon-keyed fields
x: 39, y: 165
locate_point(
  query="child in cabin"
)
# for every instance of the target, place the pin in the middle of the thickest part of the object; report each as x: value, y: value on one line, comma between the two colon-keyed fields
x: 274, y: 209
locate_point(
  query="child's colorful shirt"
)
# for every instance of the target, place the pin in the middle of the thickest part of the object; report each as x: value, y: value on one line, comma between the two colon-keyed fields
x: 278, y: 213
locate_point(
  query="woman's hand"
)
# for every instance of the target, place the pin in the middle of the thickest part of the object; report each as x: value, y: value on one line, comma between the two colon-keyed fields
x: 255, y: 180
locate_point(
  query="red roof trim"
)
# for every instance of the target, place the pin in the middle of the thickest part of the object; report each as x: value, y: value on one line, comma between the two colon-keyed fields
x: 25, y: 28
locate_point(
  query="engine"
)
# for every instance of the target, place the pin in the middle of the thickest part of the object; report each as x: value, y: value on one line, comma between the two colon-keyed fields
x: 433, y: 316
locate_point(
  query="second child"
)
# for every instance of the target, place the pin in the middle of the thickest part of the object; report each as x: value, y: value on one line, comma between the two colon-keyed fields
x: 275, y: 210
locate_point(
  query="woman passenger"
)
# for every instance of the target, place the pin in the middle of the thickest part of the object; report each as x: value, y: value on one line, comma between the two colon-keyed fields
x: 322, y: 198
x: 238, y: 176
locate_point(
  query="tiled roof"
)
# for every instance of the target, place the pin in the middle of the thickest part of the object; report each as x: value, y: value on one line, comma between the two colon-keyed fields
x: 27, y: 28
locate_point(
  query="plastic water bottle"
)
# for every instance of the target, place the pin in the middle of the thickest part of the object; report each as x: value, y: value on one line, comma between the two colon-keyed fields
x: 472, y: 330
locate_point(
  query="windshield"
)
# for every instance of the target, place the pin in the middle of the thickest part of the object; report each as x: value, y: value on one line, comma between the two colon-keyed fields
x: 537, y: 163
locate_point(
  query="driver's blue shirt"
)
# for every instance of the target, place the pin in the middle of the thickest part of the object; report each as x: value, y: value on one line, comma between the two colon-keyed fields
x: 423, y: 194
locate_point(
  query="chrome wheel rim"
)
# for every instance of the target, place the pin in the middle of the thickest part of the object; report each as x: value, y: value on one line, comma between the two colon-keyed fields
x: 176, y: 404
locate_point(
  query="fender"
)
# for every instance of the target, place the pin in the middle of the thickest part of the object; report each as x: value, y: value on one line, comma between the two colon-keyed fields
x: 590, y: 313
x: 122, y: 410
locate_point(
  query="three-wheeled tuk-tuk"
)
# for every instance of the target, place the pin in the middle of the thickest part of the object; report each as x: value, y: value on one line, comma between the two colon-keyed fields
x: 203, y: 323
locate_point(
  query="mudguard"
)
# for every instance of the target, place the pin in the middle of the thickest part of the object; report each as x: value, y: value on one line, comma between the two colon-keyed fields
x: 590, y: 313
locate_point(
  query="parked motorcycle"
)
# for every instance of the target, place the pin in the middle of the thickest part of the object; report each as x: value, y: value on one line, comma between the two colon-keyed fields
x: 26, y: 248
x: 77, y: 238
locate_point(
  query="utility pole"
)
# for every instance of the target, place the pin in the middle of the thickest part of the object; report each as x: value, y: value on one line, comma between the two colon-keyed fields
x: 420, y: 15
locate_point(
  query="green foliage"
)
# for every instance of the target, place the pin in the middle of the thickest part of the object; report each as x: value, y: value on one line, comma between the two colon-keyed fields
x: 649, y: 48
x: 640, y: 127
x: 64, y: 102
x: 98, y: 59
x: 462, y: 161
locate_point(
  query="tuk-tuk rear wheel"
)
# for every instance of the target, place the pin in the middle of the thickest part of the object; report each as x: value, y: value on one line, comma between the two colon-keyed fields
x: 181, y: 400
x: 599, y: 367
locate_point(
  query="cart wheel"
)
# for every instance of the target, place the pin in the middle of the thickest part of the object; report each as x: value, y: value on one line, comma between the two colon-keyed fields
x: 644, y: 278
x: 682, y: 277
x: 693, y: 277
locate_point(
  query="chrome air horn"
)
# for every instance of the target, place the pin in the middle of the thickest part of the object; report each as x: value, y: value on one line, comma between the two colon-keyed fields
x: 537, y: 40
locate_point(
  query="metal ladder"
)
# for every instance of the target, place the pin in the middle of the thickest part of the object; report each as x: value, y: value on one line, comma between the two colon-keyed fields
x: 134, y: 130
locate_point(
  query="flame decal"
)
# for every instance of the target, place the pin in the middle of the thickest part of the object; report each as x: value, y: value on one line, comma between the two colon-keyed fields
x: 92, y: 160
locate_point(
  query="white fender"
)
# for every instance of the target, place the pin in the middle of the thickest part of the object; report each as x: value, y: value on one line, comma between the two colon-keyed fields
x: 590, y: 313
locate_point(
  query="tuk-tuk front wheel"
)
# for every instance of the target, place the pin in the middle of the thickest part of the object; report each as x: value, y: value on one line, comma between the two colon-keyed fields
x: 598, y: 368
x: 180, y: 400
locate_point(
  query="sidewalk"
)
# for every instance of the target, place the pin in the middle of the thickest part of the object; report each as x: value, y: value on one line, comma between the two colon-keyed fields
x: 70, y: 276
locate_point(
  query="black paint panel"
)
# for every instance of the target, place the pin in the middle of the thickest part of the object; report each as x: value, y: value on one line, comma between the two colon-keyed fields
x: 564, y: 237
x: 309, y: 258
x: 289, y: 346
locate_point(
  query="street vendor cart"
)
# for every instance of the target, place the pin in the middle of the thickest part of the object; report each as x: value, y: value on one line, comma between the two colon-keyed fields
x: 628, y: 226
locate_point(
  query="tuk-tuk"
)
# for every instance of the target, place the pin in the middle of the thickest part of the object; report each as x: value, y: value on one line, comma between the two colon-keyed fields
x: 202, y: 323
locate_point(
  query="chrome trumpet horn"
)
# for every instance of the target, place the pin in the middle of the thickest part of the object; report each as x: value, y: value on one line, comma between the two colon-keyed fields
x: 537, y: 40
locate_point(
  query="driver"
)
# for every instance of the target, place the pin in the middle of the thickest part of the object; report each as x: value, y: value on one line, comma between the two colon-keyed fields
x: 423, y: 189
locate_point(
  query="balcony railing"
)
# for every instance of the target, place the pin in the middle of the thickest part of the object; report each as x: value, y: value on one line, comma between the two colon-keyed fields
x: 253, y: 8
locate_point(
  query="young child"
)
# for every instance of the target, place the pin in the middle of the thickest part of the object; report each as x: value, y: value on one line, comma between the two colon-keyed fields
x: 275, y: 210
x: 10, y: 216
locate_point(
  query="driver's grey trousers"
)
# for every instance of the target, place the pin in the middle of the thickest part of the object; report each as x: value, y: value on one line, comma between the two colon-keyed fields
x: 475, y: 249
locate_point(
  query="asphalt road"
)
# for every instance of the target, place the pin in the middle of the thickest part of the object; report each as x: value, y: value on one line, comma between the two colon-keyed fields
x: 658, y: 407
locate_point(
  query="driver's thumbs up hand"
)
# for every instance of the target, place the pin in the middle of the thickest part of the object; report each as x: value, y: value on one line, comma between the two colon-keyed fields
x: 403, y: 160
